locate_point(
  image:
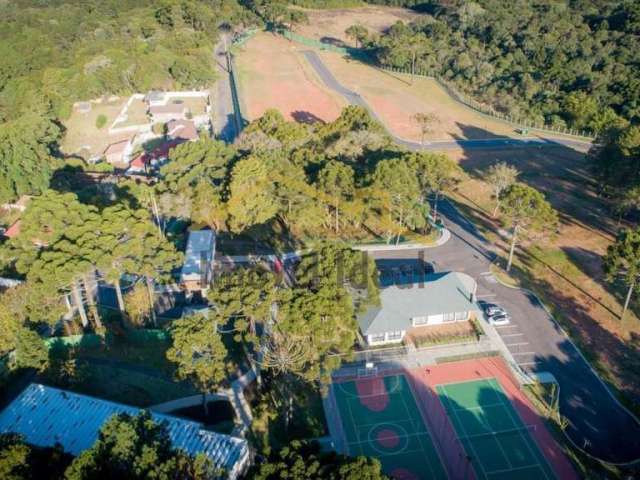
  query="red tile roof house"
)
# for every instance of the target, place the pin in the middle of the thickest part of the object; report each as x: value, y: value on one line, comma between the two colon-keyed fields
x: 13, y: 231
x: 182, y: 130
x: 118, y: 153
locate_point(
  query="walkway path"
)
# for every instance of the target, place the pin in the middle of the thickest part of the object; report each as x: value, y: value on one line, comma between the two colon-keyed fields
x: 491, y: 143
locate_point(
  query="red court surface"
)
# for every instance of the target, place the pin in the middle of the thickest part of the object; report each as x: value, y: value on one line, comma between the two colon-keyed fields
x: 490, y: 367
x: 425, y: 382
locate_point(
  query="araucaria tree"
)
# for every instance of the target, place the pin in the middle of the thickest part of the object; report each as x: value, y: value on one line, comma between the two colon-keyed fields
x: 623, y: 261
x: 198, y: 352
x: 526, y: 212
x: 500, y: 176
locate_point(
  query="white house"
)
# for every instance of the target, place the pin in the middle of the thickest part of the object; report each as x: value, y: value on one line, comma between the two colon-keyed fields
x: 440, y: 298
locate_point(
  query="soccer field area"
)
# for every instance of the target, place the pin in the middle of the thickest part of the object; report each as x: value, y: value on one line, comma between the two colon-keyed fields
x: 380, y: 418
x: 494, y: 437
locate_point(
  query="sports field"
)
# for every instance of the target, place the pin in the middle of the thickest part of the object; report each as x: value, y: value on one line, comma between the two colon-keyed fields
x: 497, y: 442
x: 380, y: 418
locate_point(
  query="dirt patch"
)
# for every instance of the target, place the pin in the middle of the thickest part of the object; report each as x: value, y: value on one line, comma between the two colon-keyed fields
x: 329, y: 25
x: 274, y: 74
x: 445, y: 333
x: 397, y: 99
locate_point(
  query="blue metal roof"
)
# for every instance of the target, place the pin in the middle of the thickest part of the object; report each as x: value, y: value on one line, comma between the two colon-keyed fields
x: 201, y: 246
x: 46, y: 416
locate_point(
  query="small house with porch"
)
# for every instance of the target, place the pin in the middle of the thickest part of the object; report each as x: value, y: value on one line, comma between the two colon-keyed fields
x: 437, y: 299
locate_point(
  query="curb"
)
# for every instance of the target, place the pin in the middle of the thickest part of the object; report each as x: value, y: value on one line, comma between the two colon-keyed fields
x: 595, y: 373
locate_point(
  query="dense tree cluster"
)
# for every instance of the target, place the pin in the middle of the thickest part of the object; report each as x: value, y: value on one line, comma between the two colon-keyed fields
x: 303, y: 460
x: 562, y: 63
x: 55, y: 53
x: 343, y: 179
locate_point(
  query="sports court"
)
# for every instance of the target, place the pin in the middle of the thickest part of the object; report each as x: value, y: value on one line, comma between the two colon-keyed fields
x: 497, y: 442
x: 380, y: 418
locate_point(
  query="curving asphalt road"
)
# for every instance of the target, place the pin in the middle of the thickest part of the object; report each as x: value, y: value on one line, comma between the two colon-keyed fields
x: 355, y: 98
x: 597, y: 423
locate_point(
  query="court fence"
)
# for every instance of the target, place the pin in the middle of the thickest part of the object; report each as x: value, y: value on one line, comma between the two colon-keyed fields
x: 521, y: 123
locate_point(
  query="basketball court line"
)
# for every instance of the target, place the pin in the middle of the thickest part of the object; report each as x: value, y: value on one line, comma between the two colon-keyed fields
x: 427, y: 426
x: 348, y: 394
x: 360, y: 443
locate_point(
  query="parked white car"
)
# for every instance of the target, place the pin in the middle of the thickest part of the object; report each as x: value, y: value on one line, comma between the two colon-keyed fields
x: 500, y: 319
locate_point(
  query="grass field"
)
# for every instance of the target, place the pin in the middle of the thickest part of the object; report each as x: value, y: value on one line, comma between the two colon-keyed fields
x: 273, y: 74
x: 499, y: 444
x: 83, y: 138
x: 396, y: 99
x: 381, y: 419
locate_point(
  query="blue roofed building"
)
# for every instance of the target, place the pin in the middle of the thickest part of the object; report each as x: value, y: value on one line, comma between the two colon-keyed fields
x: 46, y: 416
x: 197, y: 271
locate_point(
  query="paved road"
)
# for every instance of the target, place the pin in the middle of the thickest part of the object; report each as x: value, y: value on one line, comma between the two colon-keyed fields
x: 597, y: 422
x: 224, y: 126
x: 490, y: 143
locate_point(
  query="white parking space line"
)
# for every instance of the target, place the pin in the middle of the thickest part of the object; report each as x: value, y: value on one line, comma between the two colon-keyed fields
x: 526, y: 364
x: 512, y: 335
x: 516, y: 344
x: 506, y: 326
x: 522, y: 353
x: 487, y: 295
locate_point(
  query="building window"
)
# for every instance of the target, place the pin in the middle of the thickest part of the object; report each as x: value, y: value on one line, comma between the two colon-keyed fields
x: 419, y: 321
x: 448, y: 317
x: 461, y: 315
x: 394, y: 336
x: 376, y: 338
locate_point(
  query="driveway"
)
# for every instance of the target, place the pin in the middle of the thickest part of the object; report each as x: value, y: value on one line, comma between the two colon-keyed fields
x: 597, y: 423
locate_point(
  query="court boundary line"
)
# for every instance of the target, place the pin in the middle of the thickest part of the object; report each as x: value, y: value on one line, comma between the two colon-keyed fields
x: 356, y: 426
x: 493, y: 472
x: 528, y: 439
x: 350, y: 395
x: 427, y: 426
x: 495, y: 385
x: 475, y: 453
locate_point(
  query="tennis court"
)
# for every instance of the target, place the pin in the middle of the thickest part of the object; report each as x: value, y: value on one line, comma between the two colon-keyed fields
x: 494, y: 437
x: 380, y: 418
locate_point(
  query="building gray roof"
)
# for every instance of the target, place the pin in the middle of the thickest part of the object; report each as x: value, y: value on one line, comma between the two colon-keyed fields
x: 46, y: 416
x: 439, y: 293
x: 201, y: 247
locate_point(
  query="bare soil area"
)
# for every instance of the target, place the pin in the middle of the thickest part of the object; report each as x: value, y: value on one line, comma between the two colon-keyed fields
x: 274, y: 74
x: 396, y: 98
x: 329, y: 25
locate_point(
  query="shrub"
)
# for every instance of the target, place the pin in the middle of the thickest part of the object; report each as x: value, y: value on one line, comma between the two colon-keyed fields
x: 101, y: 121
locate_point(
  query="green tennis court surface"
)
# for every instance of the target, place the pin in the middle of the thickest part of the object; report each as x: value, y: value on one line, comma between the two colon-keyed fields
x: 381, y: 419
x: 499, y: 444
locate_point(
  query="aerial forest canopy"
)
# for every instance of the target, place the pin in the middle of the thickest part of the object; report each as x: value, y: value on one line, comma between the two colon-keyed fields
x: 53, y: 54
x: 572, y: 63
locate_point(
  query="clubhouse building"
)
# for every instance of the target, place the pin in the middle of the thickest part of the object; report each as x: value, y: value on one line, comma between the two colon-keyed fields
x: 436, y: 299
